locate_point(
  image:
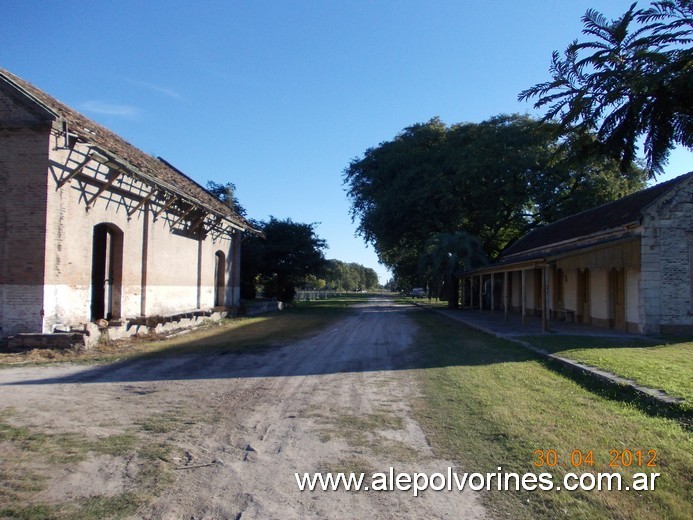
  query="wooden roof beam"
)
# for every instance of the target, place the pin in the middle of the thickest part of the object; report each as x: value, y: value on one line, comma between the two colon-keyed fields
x: 74, y: 172
x: 141, y: 203
x: 168, y: 204
x: 114, y: 174
x: 197, y: 223
x: 190, y: 210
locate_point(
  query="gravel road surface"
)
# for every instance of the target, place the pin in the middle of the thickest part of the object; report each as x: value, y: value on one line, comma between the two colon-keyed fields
x: 242, y: 425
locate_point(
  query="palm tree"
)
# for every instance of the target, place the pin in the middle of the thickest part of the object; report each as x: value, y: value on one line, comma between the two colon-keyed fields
x: 637, y: 82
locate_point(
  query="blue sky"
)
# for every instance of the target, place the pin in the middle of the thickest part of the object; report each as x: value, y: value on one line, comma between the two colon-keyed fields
x: 278, y: 96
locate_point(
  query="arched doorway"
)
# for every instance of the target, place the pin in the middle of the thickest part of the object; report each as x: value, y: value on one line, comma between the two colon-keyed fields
x: 106, y: 272
x: 219, y: 279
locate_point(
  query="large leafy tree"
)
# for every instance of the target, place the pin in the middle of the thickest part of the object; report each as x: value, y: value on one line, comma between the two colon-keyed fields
x: 632, y: 79
x: 281, y: 259
x: 494, y: 180
x: 394, y: 192
x: 445, y: 256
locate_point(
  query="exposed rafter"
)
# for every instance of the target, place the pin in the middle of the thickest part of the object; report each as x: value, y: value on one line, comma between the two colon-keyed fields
x: 197, y: 223
x: 153, y: 188
x: 185, y: 214
x: 113, y: 175
x: 76, y: 171
x: 168, y: 204
x: 141, y: 203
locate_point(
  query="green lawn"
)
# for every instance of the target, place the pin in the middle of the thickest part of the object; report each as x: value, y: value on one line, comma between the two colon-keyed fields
x: 488, y: 403
x: 662, y: 366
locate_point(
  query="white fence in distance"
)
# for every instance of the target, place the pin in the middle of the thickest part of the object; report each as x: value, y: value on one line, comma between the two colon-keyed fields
x: 307, y: 296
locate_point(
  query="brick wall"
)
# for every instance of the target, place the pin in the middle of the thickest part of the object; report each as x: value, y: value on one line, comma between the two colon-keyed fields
x: 24, y: 144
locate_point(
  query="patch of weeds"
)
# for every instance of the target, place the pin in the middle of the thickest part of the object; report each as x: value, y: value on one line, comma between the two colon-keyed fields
x: 108, y: 424
x: 360, y: 430
x: 116, y: 445
x: 29, y: 512
x: 65, y: 447
x: 355, y: 465
x: 160, y: 423
x: 156, y: 471
x: 30, y: 455
x: 16, y: 481
x: 395, y: 450
x: 58, y: 447
x: 91, y: 508
x: 156, y: 452
x: 117, y: 506
x: 371, y: 422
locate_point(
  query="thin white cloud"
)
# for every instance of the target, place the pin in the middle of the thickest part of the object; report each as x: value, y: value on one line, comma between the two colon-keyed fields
x: 110, y: 109
x: 156, y: 88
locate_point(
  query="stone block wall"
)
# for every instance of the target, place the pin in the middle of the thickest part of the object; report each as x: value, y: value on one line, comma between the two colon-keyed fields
x: 667, y: 245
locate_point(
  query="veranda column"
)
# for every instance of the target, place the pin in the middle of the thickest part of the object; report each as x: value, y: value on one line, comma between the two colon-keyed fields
x: 481, y: 291
x: 544, y: 298
x: 505, y: 295
x: 524, y: 297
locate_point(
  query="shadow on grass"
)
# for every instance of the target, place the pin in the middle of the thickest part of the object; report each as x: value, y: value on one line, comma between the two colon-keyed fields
x: 564, y: 342
x: 626, y: 394
x: 494, y: 350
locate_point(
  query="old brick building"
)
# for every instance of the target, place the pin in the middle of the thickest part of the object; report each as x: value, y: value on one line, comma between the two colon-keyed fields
x: 626, y: 265
x: 93, y: 230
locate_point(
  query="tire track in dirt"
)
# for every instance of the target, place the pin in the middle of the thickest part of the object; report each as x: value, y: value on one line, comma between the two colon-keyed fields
x: 339, y: 401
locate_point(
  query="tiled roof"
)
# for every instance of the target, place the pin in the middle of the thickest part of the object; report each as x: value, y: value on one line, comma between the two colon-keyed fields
x: 94, y: 133
x: 611, y: 215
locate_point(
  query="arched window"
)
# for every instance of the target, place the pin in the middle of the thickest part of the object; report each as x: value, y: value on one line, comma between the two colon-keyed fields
x: 106, y: 272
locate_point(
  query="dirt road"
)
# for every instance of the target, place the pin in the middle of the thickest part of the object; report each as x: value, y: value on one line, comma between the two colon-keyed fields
x: 241, y: 425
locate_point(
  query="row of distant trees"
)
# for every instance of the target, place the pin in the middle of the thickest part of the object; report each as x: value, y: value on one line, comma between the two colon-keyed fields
x: 289, y: 255
x: 343, y: 276
x: 438, y: 199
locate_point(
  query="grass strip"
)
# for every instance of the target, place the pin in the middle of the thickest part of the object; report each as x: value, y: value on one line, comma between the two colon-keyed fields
x: 650, y: 363
x: 488, y: 403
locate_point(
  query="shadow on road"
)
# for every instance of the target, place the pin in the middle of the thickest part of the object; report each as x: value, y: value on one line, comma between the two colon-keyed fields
x: 375, y: 337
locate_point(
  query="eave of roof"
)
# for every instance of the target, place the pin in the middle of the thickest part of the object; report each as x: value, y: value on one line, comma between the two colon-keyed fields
x: 611, y: 223
x: 121, y: 152
x: 542, y: 257
x: 606, y: 218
